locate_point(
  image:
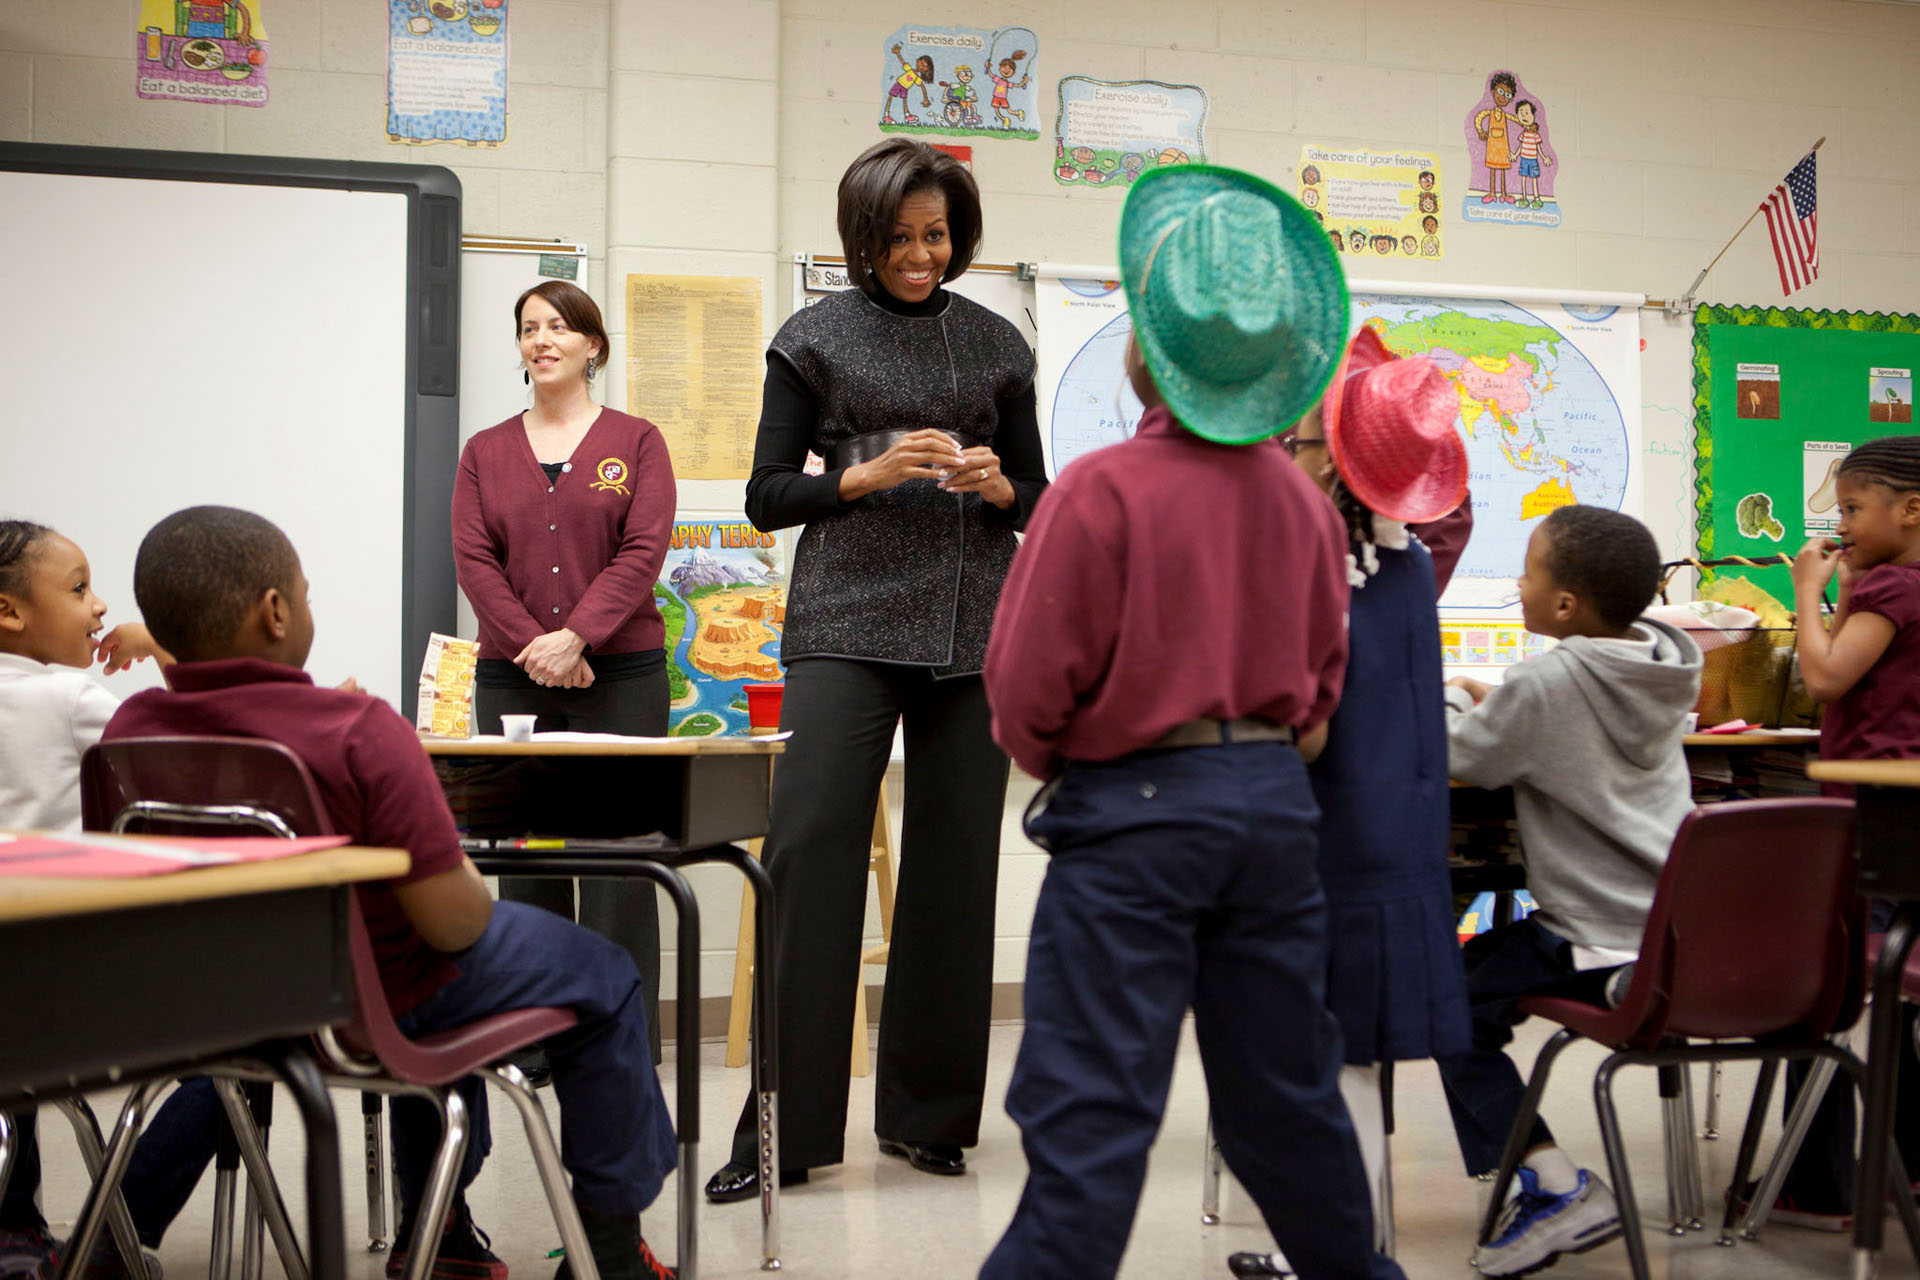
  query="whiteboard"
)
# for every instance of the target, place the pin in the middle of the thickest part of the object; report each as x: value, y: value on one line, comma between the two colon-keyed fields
x: 493, y: 275
x: 226, y: 341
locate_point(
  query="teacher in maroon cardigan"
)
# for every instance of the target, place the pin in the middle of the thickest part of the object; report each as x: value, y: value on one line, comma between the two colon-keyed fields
x: 561, y: 517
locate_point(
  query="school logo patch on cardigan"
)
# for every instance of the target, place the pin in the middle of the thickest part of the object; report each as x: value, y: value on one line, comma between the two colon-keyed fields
x: 613, y: 475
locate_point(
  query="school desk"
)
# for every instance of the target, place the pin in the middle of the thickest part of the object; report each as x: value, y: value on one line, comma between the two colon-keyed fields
x: 640, y: 807
x: 137, y: 980
x: 1887, y: 801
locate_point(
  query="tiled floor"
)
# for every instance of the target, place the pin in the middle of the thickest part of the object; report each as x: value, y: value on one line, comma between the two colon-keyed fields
x: 876, y: 1217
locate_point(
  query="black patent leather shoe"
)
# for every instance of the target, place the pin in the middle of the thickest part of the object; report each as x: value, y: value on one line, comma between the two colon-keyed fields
x: 948, y: 1162
x: 737, y: 1181
x: 1245, y: 1265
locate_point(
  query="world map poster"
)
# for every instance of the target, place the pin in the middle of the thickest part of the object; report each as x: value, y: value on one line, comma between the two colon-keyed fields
x: 1549, y: 396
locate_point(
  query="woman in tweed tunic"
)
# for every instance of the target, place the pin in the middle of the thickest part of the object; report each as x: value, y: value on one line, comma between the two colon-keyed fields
x: 922, y: 404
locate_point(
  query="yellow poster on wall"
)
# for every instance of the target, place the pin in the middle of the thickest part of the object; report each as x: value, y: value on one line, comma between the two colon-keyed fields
x: 192, y: 51
x: 1380, y: 204
x: 694, y: 355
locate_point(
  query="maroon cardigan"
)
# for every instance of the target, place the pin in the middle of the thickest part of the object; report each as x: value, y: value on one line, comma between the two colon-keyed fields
x: 583, y: 552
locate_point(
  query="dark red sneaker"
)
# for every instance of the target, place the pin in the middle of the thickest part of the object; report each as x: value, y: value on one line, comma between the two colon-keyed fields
x: 463, y: 1254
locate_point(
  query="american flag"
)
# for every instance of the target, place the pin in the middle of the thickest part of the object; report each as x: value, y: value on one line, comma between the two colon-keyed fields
x: 1792, y: 221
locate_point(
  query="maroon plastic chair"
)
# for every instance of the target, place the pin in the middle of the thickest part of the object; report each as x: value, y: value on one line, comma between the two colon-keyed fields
x: 189, y: 784
x: 1755, y: 943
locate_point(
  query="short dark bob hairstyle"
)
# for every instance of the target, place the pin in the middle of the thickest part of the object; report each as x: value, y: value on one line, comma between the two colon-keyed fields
x: 870, y: 194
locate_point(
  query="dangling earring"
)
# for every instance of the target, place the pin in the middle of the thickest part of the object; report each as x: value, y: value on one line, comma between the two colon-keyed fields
x: 526, y: 375
x: 592, y: 367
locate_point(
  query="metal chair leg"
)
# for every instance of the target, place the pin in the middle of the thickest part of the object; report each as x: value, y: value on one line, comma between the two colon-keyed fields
x: 1210, y: 1179
x: 437, y: 1197
x: 1711, y: 1130
x: 106, y: 1184
x: 226, y: 1164
x: 1384, y: 1230
x: 86, y: 1134
x: 1616, y: 1150
x: 553, y: 1176
x: 373, y: 1111
x: 1799, y: 1120
x: 252, y: 1235
x: 1522, y: 1126
x: 1749, y: 1146
x: 8, y: 1150
x: 263, y: 1190
x: 1696, y: 1196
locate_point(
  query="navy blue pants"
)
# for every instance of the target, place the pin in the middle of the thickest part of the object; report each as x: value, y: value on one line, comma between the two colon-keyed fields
x: 1181, y: 878
x: 616, y: 1136
x: 1483, y: 1085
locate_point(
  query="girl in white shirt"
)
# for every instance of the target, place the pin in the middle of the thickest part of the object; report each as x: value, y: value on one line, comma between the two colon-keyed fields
x: 50, y: 635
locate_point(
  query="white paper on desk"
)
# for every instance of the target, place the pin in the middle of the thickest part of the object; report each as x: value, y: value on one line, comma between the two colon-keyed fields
x: 621, y: 737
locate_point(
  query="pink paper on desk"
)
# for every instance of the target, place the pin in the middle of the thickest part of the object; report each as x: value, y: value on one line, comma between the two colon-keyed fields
x: 97, y: 857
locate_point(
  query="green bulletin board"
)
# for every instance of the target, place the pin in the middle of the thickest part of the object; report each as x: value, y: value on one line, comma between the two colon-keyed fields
x: 1779, y: 397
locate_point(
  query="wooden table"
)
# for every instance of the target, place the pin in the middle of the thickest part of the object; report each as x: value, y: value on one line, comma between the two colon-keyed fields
x: 697, y: 796
x: 117, y: 980
x: 1888, y: 805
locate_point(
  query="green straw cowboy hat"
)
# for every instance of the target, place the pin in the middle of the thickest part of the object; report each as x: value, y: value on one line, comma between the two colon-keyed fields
x: 1239, y: 306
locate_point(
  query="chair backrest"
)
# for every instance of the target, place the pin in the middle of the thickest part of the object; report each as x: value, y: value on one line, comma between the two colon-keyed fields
x: 186, y: 785
x: 1757, y: 927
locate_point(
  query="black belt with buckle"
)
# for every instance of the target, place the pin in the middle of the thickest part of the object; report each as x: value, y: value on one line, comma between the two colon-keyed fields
x: 1208, y: 732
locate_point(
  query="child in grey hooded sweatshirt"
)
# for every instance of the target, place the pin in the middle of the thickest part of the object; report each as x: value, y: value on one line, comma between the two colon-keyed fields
x: 1588, y: 735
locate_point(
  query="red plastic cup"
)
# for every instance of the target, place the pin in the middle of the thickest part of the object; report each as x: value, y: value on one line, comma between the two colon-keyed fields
x: 763, y: 705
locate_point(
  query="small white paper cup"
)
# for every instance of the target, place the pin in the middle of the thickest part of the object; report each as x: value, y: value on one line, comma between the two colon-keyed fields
x: 518, y: 728
x: 1693, y: 722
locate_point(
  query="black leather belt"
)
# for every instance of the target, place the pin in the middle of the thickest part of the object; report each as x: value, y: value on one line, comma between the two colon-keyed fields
x: 1208, y: 732
x: 864, y: 447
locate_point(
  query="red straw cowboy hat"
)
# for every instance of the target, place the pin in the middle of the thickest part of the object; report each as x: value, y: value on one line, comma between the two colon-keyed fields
x: 1390, y: 425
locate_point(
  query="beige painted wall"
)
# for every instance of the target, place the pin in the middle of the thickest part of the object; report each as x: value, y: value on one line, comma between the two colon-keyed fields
x: 707, y: 138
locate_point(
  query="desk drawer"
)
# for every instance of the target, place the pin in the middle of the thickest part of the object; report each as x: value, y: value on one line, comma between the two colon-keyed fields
x: 693, y: 802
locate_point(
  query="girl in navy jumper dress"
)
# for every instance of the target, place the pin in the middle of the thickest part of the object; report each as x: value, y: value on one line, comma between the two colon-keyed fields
x: 1384, y: 447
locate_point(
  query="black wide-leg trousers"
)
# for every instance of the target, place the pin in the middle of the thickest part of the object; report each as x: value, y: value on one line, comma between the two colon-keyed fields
x: 932, y: 1055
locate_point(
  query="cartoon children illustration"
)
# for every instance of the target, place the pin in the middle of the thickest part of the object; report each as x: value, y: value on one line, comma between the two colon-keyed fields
x: 1409, y: 246
x: 1429, y: 202
x: 1338, y: 243
x: 1383, y: 244
x: 1310, y: 176
x: 1359, y: 239
x: 1430, y: 224
x: 1426, y: 179
x: 1491, y: 124
x: 1430, y: 247
x: 1533, y: 153
x: 1310, y: 197
x: 918, y: 73
x: 1004, y: 112
x: 962, y: 99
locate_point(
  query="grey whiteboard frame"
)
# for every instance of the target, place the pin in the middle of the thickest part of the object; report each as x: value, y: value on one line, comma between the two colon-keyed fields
x: 432, y: 444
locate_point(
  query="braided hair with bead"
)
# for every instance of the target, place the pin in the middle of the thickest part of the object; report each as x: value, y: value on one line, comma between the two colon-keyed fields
x: 1358, y: 517
x: 18, y: 539
x: 1893, y: 461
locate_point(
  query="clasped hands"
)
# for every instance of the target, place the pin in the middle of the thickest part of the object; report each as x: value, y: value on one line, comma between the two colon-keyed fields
x: 557, y: 660
x: 930, y: 454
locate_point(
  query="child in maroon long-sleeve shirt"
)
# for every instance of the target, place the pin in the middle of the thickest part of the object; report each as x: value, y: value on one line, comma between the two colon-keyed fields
x: 1170, y: 642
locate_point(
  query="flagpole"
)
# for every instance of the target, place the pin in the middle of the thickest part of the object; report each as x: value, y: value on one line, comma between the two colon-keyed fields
x: 1686, y: 302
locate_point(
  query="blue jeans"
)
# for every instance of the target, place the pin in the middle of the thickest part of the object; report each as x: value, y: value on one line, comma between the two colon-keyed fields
x: 1483, y: 1086
x: 616, y: 1136
x: 1181, y: 878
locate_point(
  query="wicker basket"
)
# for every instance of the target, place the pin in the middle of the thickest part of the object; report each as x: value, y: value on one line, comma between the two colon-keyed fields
x: 1752, y: 676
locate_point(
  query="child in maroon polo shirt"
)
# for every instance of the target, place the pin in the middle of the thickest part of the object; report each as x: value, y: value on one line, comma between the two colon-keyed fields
x: 1170, y: 641
x: 223, y: 592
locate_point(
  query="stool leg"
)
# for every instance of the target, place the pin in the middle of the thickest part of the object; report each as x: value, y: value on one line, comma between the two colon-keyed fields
x: 263, y: 1191
x: 373, y: 1110
x: 740, y: 1004
x: 1384, y: 1229
x: 252, y: 1238
x: 106, y: 1185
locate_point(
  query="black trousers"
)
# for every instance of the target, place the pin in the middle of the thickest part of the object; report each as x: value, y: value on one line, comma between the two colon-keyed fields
x: 623, y: 911
x: 939, y: 987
